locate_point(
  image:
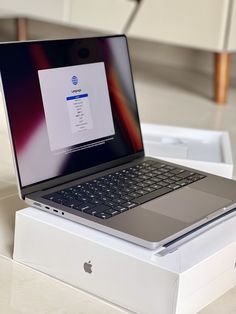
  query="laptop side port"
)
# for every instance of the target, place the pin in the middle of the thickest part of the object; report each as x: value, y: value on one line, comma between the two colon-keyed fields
x: 37, y: 204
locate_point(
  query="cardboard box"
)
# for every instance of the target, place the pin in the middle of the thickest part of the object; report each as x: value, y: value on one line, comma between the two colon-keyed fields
x: 204, y: 150
x: 135, y: 278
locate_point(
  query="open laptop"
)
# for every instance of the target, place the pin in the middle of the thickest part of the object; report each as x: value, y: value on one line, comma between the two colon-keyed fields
x: 78, y: 149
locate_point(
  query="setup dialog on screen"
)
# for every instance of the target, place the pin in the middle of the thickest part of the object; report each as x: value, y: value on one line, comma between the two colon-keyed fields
x: 76, y: 104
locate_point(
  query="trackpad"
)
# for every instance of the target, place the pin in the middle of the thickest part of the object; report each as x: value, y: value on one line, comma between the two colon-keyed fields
x: 188, y: 205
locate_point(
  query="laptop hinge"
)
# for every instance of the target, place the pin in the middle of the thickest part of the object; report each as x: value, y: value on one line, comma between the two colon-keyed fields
x: 80, y: 174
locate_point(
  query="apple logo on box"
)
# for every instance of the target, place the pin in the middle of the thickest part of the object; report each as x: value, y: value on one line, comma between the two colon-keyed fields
x: 88, y: 267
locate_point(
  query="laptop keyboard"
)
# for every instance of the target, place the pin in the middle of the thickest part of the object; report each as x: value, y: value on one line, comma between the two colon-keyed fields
x: 115, y: 193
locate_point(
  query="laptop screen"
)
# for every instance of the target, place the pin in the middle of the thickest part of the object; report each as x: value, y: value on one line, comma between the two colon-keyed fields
x: 71, y: 105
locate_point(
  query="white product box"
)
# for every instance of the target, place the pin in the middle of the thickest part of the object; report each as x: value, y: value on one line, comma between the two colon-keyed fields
x: 125, y: 274
x: 204, y: 150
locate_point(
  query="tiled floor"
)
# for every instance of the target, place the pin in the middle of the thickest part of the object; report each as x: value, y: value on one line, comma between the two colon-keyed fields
x: 9, y: 200
x: 165, y: 96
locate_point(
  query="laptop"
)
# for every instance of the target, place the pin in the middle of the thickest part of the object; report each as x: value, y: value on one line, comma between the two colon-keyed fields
x: 78, y: 148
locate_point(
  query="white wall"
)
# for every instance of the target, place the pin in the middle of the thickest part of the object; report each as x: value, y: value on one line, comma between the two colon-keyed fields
x: 191, y: 59
x: 141, y: 51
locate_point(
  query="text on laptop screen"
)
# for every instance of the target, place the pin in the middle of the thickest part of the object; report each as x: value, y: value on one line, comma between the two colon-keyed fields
x: 71, y: 105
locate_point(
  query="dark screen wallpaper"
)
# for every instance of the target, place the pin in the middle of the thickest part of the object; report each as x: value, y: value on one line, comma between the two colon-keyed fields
x: 19, y: 65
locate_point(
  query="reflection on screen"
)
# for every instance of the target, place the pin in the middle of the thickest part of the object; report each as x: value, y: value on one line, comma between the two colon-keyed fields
x: 69, y: 110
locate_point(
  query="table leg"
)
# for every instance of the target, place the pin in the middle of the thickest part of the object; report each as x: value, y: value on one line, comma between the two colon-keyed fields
x: 222, y: 72
x: 21, y: 28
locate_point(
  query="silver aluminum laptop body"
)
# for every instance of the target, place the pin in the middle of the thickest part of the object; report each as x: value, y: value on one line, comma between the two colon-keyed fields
x: 73, y: 118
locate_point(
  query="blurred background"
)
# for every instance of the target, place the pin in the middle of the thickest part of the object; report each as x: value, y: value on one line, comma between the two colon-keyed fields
x: 183, y: 59
x: 184, y: 46
x: 187, y: 45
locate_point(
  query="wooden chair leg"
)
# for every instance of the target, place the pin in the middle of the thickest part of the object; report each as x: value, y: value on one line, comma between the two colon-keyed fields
x: 222, y: 72
x: 21, y: 28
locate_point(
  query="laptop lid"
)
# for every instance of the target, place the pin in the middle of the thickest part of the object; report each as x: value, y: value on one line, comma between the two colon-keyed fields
x: 71, y: 108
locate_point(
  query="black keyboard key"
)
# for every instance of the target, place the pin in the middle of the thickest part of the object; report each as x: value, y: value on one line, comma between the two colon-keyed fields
x: 127, y: 197
x: 106, y: 199
x: 149, y: 182
x: 84, y: 206
x: 174, y: 186
x: 163, y: 171
x: 75, y: 206
x: 120, y: 193
x: 107, y: 191
x: 119, y: 201
x: 92, y: 196
x: 195, y: 177
x: 130, y: 182
x: 103, y: 215
x: 92, y: 211
x: 169, y: 167
x: 150, y: 175
x: 182, y: 182
x: 135, y: 194
x: 142, y: 184
x: 144, y: 177
x: 158, y: 165
x: 201, y: 176
x: 62, y: 192
x: 72, y: 189
x: 79, y: 194
x: 156, y: 179
x: 130, y: 205
x: 135, y: 188
x: 150, y: 168
x: 74, y: 203
x: 169, y: 181
x: 128, y: 190
x: 96, y: 201
x: 65, y: 202
x: 176, y: 178
x: 169, y: 175
x: 111, y: 204
x: 157, y: 172
x: 149, y: 189
x: 162, y: 177
x: 137, y: 179
x: 124, y: 185
x: 162, y: 183
x: 121, y: 208
x: 100, y: 209
x: 156, y: 186
x: 83, y: 199
x: 185, y: 174
x: 112, y: 212
x: 142, y: 192
x: 100, y: 193
x: 58, y: 200
x: 144, y: 171
x: 177, y: 171
x: 152, y: 195
x: 113, y: 195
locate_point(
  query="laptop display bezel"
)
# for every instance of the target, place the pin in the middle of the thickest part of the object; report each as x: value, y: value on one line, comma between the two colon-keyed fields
x: 51, y: 182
